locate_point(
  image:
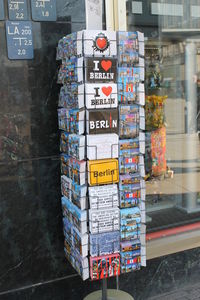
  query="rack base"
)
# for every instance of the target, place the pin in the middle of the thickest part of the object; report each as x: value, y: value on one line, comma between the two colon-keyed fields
x: 111, y: 295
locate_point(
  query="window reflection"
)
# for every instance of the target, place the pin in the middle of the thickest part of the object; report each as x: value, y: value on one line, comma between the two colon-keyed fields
x: 172, y: 55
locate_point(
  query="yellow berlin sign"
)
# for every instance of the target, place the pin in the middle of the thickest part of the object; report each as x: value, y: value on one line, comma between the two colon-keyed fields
x: 103, y: 171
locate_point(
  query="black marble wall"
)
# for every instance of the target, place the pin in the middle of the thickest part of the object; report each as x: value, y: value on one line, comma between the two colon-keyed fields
x: 31, y: 241
x: 32, y: 263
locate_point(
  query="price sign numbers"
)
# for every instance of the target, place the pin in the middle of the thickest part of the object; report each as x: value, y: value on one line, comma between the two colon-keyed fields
x: 43, y: 10
x: 2, y: 14
x: 19, y: 40
x: 17, y: 10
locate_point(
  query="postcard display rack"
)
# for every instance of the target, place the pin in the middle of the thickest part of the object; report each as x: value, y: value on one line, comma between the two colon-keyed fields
x: 101, y: 118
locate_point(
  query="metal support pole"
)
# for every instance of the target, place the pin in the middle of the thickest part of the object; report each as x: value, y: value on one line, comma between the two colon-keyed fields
x: 117, y: 282
x: 104, y: 289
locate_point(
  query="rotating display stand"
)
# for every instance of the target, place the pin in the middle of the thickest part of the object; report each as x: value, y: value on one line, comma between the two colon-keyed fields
x: 102, y: 119
x: 108, y: 294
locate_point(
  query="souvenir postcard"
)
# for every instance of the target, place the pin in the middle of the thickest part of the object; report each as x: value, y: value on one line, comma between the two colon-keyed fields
x: 66, y: 187
x: 64, y: 142
x: 98, y: 69
x: 77, y: 217
x: 102, y: 121
x: 104, y: 243
x: 131, y: 264
x: 130, y: 223
x: 71, y: 96
x: 78, y: 171
x: 130, y: 179
x: 130, y: 92
x: 130, y: 46
x: 74, y: 192
x: 70, y: 45
x: 104, y: 266
x: 73, y: 145
x: 71, y: 120
x: 73, y: 168
x: 74, y: 71
x: 131, y: 78
x: 129, y: 75
x: 101, y: 95
x: 77, y: 146
x: 67, y: 230
x: 74, y: 238
x: 143, y: 211
x: 79, y: 195
x: 127, y: 191
x: 80, y: 264
x: 131, y: 164
x: 128, y: 147
x: 61, y: 73
x: 128, y: 130
x: 102, y: 146
x: 130, y: 199
x: 103, y: 171
x: 99, y: 43
x: 127, y: 256
x: 104, y: 220
x: 129, y: 122
x: 131, y: 109
x: 130, y: 245
x: 65, y: 165
x: 103, y: 196
x: 132, y: 114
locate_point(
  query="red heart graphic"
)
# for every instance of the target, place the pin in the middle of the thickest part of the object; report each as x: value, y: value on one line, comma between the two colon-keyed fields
x: 106, y: 65
x: 107, y: 90
x: 101, y: 43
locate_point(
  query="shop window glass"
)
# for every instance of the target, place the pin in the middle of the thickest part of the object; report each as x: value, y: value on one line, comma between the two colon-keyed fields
x: 172, y: 87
